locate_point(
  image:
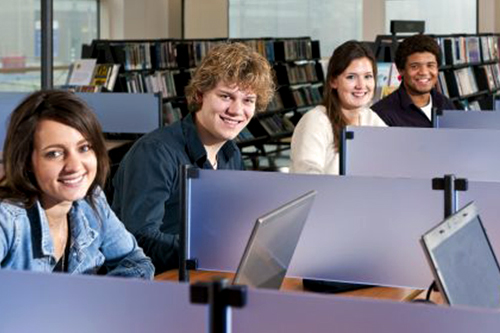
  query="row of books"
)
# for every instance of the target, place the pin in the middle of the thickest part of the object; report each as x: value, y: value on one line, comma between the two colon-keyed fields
x: 292, y: 73
x: 297, y: 49
x: 276, y: 103
x: 468, y: 49
x: 276, y: 124
x: 86, y: 75
x: 469, y: 80
x: 170, y: 83
x: 133, y: 56
x: 307, y: 95
x: 164, y: 54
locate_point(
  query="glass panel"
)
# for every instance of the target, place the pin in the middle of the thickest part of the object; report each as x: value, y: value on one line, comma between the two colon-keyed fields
x: 330, y: 21
x: 68, y: 303
x: 423, y: 153
x: 439, y: 20
x: 75, y: 23
x: 297, y: 313
x: 355, y: 225
x: 454, y: 119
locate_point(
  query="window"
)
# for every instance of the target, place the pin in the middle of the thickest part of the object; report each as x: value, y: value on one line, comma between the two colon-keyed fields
x: 438, y: 17
x: 330, y: 21
x: 75, y: 23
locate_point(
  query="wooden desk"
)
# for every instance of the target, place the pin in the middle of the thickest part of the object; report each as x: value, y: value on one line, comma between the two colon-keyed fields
x: 295, y: 284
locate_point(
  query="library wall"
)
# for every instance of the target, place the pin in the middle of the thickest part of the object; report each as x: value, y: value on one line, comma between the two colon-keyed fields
x: 488, y: 10
x: 206, y: 19
x: 373, y: 19
x: 127, y: 18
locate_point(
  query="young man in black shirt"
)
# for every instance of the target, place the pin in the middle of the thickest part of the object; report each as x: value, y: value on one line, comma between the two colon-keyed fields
x: 417, y: 59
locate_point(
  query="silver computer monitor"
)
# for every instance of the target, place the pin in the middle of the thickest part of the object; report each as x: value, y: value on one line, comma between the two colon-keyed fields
x: 462, y: 260
x: 272, y: 243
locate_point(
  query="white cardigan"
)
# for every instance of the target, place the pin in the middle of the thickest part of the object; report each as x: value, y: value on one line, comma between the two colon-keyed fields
x: 313, y: 150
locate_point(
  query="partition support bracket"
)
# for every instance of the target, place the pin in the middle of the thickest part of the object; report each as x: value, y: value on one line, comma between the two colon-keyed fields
x: 220, y: 296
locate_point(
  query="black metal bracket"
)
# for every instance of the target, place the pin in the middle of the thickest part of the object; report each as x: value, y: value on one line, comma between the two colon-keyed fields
x: 450, y: 185
x: 344, y: 135
x: 192, y: 264
x: 219, y: 295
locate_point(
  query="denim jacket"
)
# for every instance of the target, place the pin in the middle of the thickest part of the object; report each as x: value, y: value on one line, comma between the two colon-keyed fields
x: 96, y: 240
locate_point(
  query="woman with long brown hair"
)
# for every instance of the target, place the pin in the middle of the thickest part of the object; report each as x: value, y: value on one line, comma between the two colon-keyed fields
x: 349, y: 88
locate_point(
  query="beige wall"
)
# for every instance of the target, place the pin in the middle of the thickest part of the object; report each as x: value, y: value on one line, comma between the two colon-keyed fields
x: 373, y: 19
x: 208, y: 18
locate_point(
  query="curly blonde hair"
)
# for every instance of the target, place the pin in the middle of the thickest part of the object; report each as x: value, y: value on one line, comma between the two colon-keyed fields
x: 232, y: 63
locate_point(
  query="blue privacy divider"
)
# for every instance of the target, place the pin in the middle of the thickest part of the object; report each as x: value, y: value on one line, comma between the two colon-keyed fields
x: 469, y: 119
x: 125, y: 113
x: 360, y: 229
x: 40, y: 302
x: 423, y: 153
x: 270, y: 312
x: 8, y: 102
x: 118, y: 113
x: 486, y: 195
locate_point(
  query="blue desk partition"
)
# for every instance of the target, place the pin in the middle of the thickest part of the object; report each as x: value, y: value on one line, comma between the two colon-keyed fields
x: 469, y: 119
x: 118, y: 113
x: 8, y: 102
x: 360, y: 229
x: 125, y: 113
x: 487, y: 197
x: 40, y: 302
x: 271, y: 312
x: 423, y: 153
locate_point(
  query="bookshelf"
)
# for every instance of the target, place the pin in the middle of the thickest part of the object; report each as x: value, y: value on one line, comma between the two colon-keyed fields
x: 166, y: 65
x: 469, y: 73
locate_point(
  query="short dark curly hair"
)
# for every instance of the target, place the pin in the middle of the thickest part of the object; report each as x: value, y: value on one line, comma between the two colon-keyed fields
x: 416, y: 44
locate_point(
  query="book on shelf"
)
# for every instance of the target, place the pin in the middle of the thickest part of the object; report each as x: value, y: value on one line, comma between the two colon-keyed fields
x: 276, y: 124
x: 473, y: 50
x: 81, y: 72
x: 171, y: 113
x: 387, y: 80
x: 105, y: 75
x: 245, y: 135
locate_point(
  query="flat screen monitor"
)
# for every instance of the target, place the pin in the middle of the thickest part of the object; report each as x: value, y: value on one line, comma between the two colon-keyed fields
x: 271, y: 245
x: 462, y: 260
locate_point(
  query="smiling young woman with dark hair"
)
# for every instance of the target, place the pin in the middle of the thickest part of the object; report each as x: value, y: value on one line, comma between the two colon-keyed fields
x: 53, y: 213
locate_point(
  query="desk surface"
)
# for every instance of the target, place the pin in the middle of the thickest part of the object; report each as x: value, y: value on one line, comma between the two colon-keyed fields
x: 295, y: 284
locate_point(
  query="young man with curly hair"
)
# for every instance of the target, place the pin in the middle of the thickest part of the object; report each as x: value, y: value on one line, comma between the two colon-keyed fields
x: 231, y: 83
x: 417, y: 59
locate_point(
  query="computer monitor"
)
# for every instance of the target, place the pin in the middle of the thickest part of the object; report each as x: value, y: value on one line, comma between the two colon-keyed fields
x: 271, y: 245
x: 462, y: 260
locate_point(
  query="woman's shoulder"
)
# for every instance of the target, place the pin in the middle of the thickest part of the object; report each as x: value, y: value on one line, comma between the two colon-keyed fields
x: 11, y: 208
x: 315, y: 116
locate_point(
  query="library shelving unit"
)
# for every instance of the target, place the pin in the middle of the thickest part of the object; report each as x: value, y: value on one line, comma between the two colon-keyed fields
x: 469, y: 72
x: 166, y: 66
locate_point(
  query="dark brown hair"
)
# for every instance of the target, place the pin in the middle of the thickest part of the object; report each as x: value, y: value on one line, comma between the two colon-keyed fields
x: 339, y: 61
x: 232, y: 63
x: 19, y: 184
x: 416, y: 44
